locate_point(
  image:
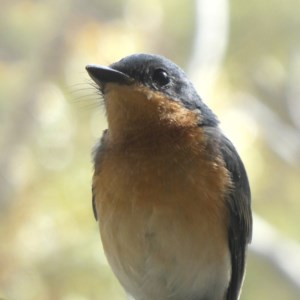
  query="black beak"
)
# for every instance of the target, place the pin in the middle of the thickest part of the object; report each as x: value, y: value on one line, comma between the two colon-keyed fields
x: 102, y: 75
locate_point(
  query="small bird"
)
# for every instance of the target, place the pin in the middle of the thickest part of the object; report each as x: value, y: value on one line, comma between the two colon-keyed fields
x: 170, y: 191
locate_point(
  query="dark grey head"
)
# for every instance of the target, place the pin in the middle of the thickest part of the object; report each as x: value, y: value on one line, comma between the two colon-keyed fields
x: 158, y: 74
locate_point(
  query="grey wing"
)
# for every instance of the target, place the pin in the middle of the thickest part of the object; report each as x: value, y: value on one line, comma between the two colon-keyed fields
x: 97, y: 157
x: 240, y: 224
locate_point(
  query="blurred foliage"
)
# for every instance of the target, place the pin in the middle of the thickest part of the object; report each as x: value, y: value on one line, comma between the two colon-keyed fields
x: 51, y: 117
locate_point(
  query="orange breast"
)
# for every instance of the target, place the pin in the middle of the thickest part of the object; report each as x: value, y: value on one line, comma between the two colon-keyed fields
x: 163, y: 219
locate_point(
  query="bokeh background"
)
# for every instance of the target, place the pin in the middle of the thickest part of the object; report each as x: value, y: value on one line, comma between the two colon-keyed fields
x: 244, y: 57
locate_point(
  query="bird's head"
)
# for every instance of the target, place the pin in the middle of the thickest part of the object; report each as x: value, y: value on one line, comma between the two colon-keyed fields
x: 145, y: 92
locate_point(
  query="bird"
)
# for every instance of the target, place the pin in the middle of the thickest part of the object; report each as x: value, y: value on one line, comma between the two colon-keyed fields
x: 169, y: 190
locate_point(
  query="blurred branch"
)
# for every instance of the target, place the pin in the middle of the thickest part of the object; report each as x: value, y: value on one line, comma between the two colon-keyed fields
x: 210, y: 42
x: 47, y: 62
x: 281, y: 252
x: 282, y: 138
x: 292, y: 91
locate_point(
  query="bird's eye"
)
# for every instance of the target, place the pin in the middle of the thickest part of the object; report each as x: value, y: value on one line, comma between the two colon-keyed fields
x: 160, y: 77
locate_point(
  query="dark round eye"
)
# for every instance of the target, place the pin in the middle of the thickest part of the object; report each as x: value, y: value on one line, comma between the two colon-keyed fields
x: 160, y: 77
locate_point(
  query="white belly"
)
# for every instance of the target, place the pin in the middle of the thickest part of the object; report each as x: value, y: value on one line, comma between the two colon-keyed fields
x: 160, y: 255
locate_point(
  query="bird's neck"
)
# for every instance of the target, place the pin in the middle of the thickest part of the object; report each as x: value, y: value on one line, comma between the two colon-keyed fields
x: 134, y: 113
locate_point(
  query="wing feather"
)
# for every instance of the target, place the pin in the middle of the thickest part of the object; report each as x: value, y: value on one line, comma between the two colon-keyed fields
x: 240, y: 224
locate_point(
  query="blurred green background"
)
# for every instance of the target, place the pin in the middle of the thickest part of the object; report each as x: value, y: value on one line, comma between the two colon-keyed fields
x: 244, y: 58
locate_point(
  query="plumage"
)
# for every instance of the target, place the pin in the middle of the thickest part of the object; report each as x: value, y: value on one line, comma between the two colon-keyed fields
x: 240, y: 226
x: 169, y: 190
